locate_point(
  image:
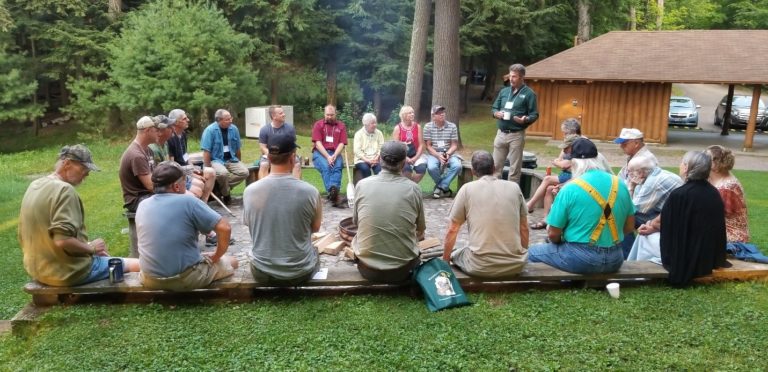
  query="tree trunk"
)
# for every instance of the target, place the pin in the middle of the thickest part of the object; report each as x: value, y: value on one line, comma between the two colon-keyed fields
x: 659, y: 14
x: 632, y: 18
x: 330, y: 80
x: 377, y: 103
x: 417, y: 58
x: 585, y: 23
x: 446, y: 88
x: 115, y: 9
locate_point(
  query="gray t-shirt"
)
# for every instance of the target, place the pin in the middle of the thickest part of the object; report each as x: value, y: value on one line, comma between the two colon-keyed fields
x: 268, y: 130
x: 279, y: 210
x: 167, y: 226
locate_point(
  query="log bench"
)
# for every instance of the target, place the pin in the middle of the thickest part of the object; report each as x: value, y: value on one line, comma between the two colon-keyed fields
x: 340, y: 278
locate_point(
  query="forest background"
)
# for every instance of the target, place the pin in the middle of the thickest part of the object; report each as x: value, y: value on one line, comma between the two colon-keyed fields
x: 102, y: 64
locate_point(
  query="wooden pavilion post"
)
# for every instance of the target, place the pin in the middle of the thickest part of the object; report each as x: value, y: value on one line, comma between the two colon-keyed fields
x: 752, y: 123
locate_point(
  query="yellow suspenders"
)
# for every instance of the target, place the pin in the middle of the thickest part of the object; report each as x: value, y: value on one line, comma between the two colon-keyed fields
x: 606, y: 207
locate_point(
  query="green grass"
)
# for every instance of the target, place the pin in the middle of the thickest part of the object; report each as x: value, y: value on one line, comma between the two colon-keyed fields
x: 650, y: 328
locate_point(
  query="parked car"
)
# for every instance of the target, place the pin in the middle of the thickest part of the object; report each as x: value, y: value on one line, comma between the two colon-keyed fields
x: 683, y: 111
x: 740, y: 112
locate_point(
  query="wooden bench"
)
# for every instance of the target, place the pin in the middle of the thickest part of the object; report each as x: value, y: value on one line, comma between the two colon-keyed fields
x: 340, y: 278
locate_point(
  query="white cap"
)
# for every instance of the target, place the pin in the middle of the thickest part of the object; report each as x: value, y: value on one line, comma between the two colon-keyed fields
x: 628, y: 134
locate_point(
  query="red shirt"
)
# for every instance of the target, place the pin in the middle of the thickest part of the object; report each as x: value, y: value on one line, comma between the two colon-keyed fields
x: 322, y: 131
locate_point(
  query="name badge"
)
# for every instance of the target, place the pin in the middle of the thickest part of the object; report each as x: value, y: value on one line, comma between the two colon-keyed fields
x: 508, y: 105
x: 440, y: 144
x: 329, y: 139
x: 185, y: 157
x: 226, y: 148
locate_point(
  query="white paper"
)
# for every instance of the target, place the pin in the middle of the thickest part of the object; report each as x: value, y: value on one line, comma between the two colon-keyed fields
x: 329, y: 139
x: 321, y: 274
x: 226, y: 148
x: 508, y: 105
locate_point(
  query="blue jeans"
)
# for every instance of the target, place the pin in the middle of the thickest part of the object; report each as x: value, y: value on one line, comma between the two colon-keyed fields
x: 99, y: 269
x: 331, y: 175
x: 579, y: 258
x: 365, y: 169
x: 443, y: 180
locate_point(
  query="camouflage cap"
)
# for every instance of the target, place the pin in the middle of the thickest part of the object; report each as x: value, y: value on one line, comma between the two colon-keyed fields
x: 78, y: 153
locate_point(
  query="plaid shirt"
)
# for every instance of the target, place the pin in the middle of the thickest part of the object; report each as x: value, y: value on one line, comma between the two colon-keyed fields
x: 649, y: 197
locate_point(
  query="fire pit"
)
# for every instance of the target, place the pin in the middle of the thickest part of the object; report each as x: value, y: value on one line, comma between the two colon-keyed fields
x: 347, y: 230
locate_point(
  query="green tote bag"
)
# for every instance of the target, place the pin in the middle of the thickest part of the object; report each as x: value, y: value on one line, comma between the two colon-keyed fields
x: 440, y: 286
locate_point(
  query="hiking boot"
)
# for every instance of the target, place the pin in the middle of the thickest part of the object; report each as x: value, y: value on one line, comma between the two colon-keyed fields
x: 333, y: 195
x: 226, y: 199
x: 341, y: 203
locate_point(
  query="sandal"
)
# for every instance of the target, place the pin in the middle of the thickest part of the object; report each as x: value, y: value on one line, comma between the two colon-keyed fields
x: 538, y: 225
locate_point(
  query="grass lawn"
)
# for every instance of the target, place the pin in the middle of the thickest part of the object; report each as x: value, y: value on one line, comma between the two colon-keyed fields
x: 712, y: 327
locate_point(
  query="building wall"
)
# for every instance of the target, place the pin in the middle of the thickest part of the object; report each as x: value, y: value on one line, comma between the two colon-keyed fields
x: 604, y: 107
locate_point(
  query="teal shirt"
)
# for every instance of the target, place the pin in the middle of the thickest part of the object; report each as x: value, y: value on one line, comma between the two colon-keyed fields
x: 577, y: 214
x: 523, y: 104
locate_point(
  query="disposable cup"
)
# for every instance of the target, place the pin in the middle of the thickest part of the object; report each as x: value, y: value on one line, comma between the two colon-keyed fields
x: 613, y: 289
x: 507, y: 115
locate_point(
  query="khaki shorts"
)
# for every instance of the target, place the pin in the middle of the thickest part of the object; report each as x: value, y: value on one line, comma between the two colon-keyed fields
x: 200, y: 275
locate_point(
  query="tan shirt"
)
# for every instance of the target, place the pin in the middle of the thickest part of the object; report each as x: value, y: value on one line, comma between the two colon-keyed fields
x: 52, y: 210
x: 492, y: 209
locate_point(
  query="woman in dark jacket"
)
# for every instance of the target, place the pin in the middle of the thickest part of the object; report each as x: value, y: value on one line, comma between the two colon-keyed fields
x: 693, y: 224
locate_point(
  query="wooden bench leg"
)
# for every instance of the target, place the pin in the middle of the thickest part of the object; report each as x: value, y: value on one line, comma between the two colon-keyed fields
x: 45, y: 299
x: 25, y: 322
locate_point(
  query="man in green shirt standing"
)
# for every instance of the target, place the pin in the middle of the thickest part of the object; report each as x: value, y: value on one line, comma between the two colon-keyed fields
x: 516, y: 109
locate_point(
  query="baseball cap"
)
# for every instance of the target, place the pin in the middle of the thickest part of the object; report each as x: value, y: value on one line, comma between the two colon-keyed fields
x: 583, y: 148
x: 628, y: 134
x: 145, y: 122
x: 167, y: 173
x: 569, y: 140
x: 78, y: 153
x: 393, y: 152
x: 281, y: 144
x: 437, y: 108
x: 162, y: 121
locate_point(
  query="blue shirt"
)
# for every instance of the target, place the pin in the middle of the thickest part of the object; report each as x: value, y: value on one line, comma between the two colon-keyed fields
x: 577, y: 213
x: 167, y: 227
x: 213, y: 142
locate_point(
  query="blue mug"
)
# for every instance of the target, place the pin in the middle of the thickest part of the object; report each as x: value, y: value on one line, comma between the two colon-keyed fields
x: 115, y: 270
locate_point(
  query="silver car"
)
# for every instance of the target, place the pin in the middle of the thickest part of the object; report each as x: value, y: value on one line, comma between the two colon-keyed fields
x: 683, y: 111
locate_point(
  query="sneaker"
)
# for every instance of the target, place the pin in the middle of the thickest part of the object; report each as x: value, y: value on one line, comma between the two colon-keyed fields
x: 448, y: 193
x: 437, y: 193
x: 212, y: 241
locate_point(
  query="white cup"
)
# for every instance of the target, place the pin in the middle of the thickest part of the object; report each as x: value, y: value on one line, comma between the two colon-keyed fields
x: 613, y: 289
x: 507, y: 115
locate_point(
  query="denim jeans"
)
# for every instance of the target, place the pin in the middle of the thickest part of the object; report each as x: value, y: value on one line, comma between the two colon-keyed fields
x: 443, y: 179
x: 579, y: 258
x: 331, y: 175
x: 365, y: 169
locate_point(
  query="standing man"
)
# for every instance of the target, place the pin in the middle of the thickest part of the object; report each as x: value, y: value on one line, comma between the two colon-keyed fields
x: 137, y: 163
x: 516, y: 109
x: 199, y: 183
x: 167, y: 226
x: 221, y: 150
x: 441, y: 138
x: 631, y: 142
x: 52, y: 227
x: 282, y: 212
x: 498, y: 241
x: 389, y: 214
x: 329, y: 137
x: 277, y: 126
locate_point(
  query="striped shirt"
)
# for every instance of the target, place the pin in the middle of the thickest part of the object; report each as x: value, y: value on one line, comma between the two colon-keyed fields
x: 440, y: 138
